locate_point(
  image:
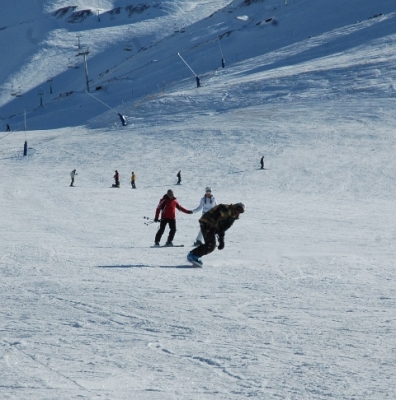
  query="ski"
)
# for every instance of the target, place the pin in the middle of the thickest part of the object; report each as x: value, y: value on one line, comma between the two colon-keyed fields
x: 175, y: 245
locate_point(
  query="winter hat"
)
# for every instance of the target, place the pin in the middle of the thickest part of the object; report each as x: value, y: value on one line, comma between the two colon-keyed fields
x: 240, y: 207
x: 170, y: 192
x: 208, y: 189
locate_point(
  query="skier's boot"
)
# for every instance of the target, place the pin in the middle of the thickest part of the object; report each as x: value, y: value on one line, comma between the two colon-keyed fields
x: 168, y: 244
x: 156, y: 244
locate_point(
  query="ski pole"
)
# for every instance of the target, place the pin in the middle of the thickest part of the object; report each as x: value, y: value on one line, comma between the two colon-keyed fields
x: 149, y: 221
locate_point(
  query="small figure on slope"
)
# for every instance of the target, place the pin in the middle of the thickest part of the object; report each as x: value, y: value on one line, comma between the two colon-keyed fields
x: 167, y: 207
x: 122, y: 118
x: 262, y: 162
x: 116, y: 179
x: 133, y: 178
x: 178, y: 178
x: 207, y: 202
x: 72, y: 175
x: 215, y: 222
x: 8, y: 129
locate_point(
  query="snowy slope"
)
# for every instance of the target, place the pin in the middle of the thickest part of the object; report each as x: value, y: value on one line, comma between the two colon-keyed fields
x: 301, y: 302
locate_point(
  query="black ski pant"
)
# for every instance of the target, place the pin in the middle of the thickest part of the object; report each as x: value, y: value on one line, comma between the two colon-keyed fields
x: 172, y: 231
x: 209, y: 235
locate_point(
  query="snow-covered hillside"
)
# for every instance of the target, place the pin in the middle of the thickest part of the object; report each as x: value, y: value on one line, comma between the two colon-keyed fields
x: 301, y: 302
x: 133, y: 49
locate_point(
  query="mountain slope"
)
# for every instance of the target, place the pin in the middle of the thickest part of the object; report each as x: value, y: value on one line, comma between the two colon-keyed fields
x: 133, y: 56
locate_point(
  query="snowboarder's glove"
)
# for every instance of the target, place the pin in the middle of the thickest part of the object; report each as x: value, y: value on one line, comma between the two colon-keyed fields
x: 190, y: 212
x: 221, y: 243
x: 156, y: 220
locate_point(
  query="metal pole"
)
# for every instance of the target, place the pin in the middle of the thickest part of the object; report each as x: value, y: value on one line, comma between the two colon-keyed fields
x: 40, y: 93
x: 50, y: 82
x: 186, y: 64
x: 86, y: 71
x: 221, y: 51
x: 84, y: 54
x: 78, y: 38
x: 25, y: 146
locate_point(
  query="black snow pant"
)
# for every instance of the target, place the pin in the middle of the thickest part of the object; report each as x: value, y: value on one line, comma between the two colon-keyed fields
x: 172, y: 231
x: 209, y: 235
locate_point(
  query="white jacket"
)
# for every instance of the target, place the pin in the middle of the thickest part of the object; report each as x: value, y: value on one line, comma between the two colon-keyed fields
x: 206, y: 204
x: 73, y: 173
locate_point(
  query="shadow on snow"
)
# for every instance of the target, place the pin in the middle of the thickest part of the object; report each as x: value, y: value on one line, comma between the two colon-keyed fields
x: 186, y: 266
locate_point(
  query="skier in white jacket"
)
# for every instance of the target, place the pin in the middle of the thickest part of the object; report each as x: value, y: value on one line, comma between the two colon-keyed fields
x: 207, y: 202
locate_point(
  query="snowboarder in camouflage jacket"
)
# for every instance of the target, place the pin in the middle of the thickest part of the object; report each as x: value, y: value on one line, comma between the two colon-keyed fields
x: 215, y: 222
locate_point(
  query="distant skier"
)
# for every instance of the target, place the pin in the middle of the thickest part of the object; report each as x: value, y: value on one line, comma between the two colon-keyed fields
x: 72, y: 175
x: 215, y: 222
x: 167, y: 207
x: 262, y: 162
x: 178, y: 178
x: 207, y: 202
x: 8, y: 129
x: 133, y: 178
x: 123, y: 120
x: 116, y: 179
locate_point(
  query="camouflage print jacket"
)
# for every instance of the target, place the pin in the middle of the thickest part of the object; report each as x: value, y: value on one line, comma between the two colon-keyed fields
x: 220, y: 218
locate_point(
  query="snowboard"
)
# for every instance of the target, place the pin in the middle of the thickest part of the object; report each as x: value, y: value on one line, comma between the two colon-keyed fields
x: 195, y: 264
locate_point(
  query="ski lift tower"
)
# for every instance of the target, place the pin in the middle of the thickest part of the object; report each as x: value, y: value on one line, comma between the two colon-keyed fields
x: 84, y: 53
